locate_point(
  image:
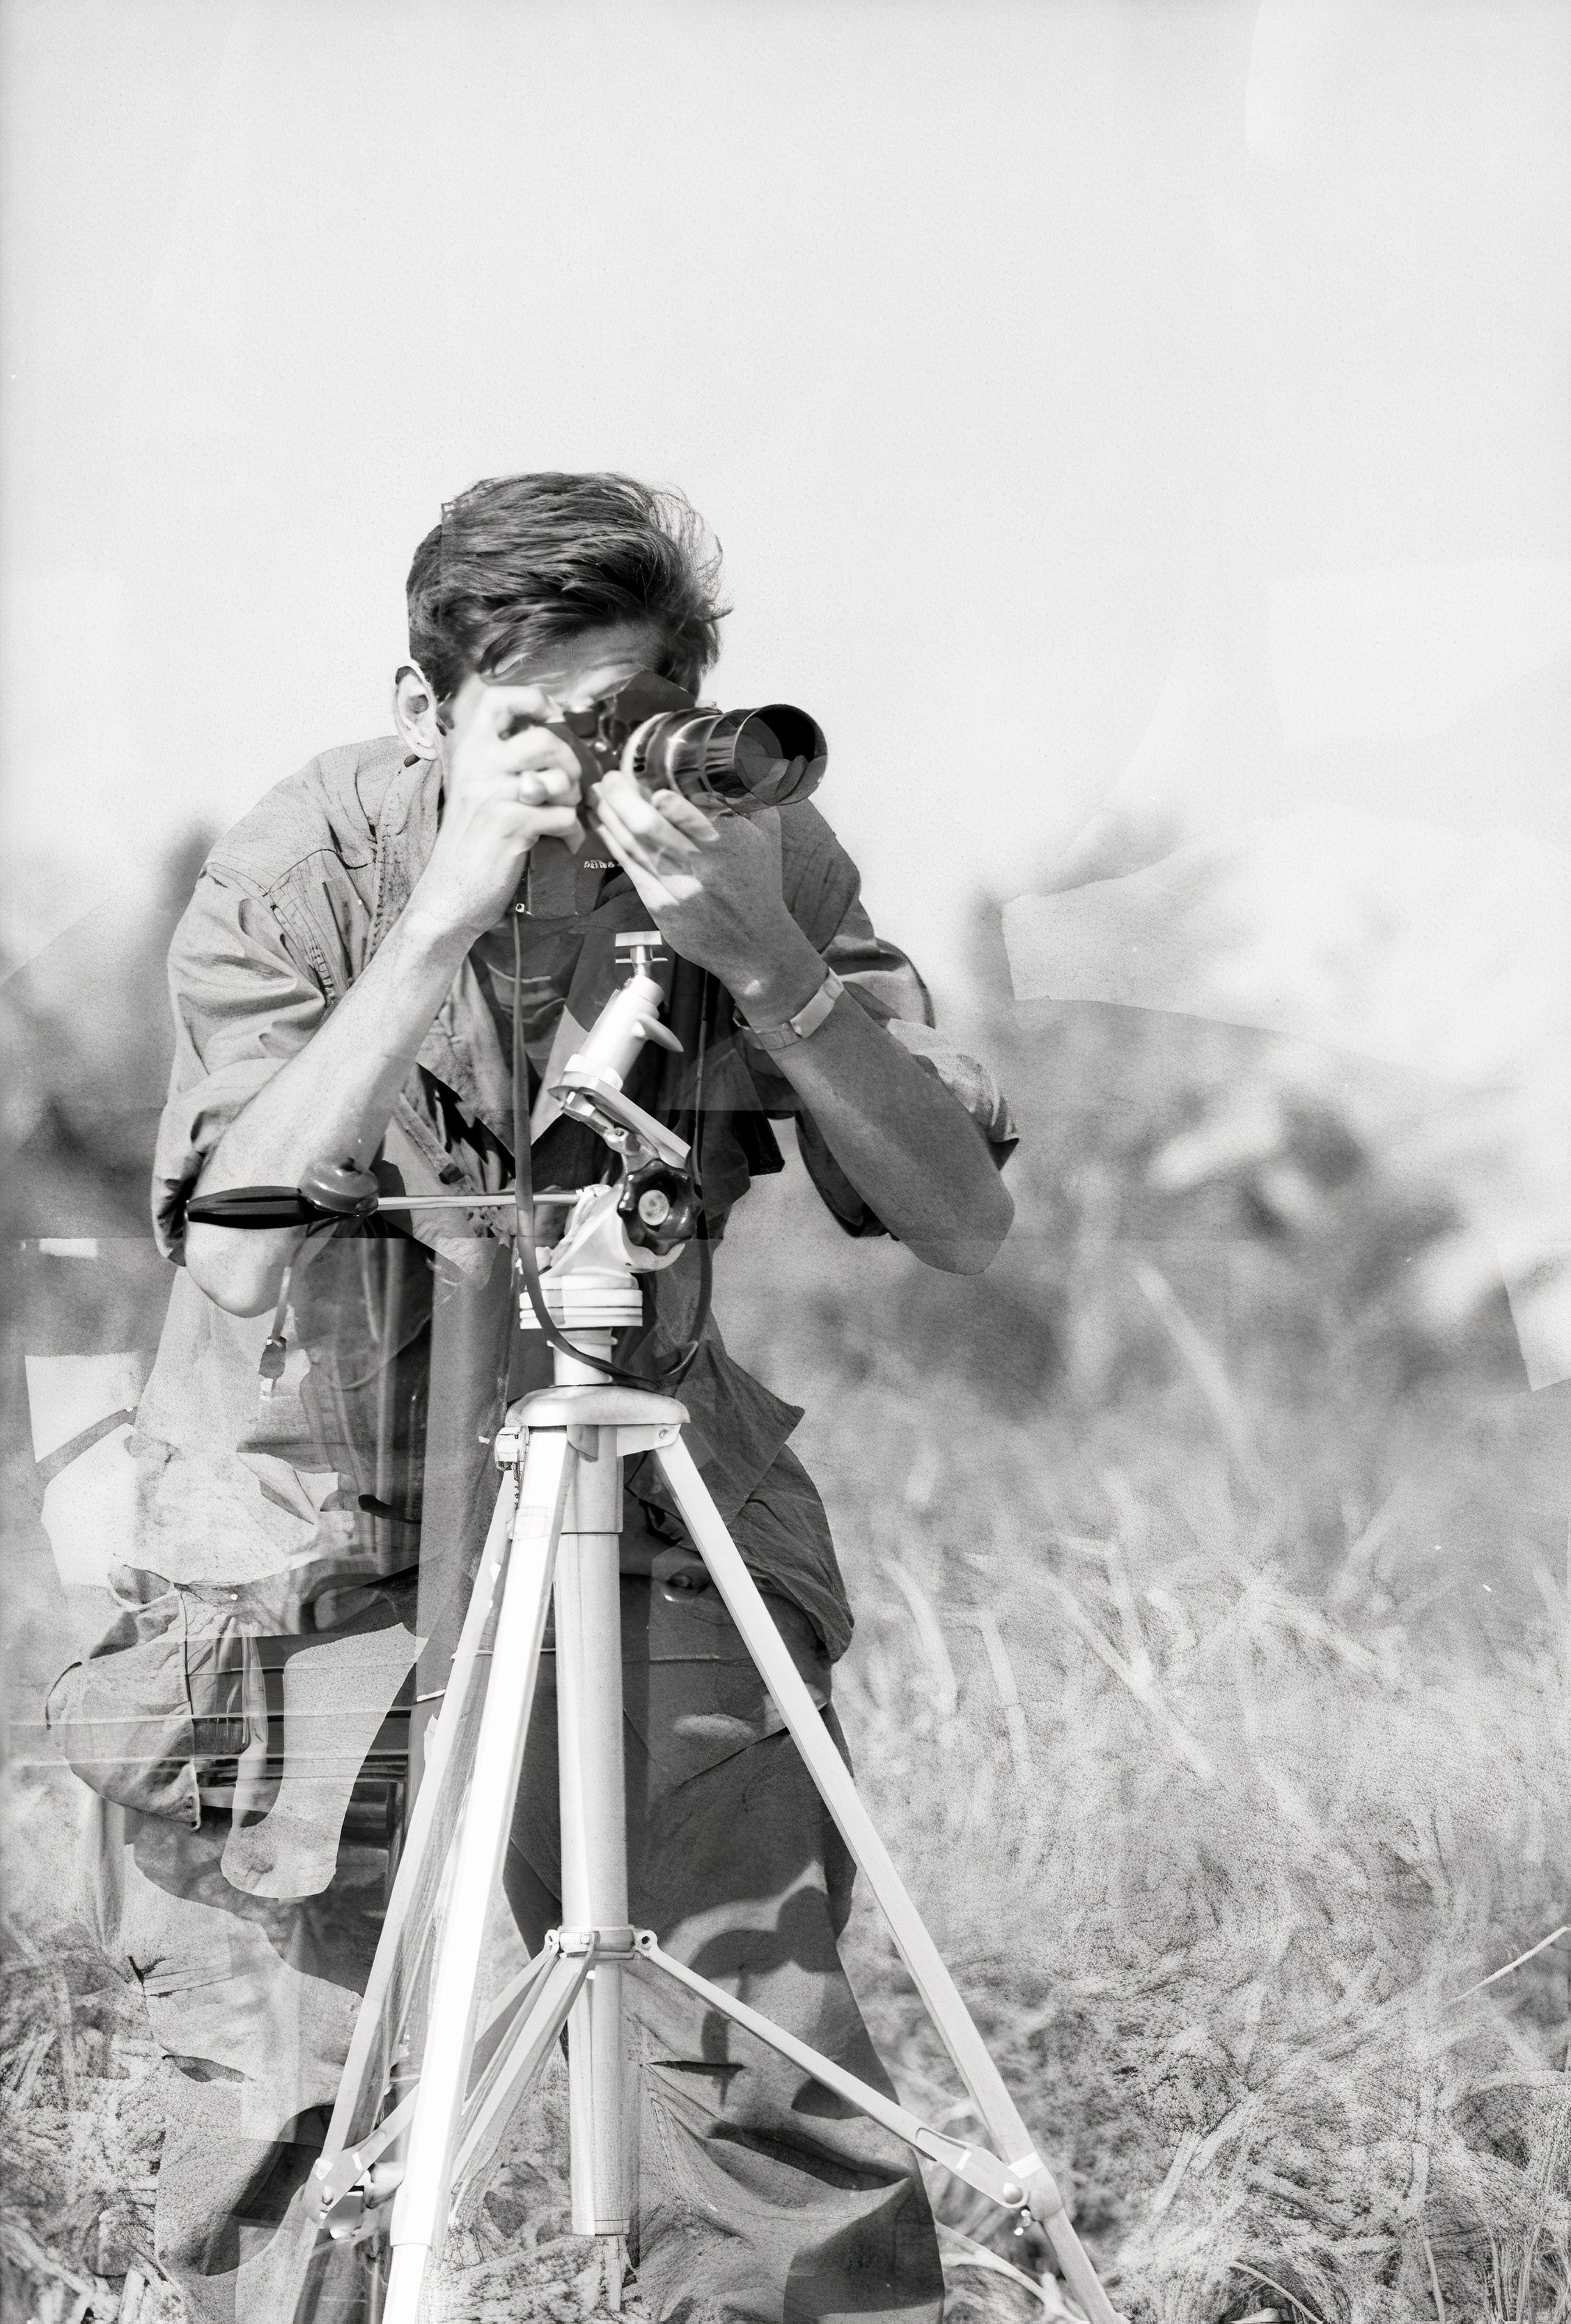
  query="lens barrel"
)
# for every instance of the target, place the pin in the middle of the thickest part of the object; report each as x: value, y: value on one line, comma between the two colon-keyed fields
x: 748, y: 759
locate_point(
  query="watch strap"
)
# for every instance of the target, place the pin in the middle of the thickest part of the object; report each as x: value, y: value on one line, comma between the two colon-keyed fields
x: 806, y: 1019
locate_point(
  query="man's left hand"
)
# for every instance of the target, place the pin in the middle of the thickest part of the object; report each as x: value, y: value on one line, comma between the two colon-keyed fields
x: 712, y: 884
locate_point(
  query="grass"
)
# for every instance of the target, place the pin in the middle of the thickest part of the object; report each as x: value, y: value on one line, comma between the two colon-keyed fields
x: 1219, y: 1907
x: 81, y: 2122
x: 1210, y: 1685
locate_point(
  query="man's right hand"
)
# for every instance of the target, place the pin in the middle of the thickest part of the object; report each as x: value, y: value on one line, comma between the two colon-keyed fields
x: 504, y: 790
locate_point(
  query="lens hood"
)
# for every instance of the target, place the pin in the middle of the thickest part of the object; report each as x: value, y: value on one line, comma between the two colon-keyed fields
x: 747, y: 759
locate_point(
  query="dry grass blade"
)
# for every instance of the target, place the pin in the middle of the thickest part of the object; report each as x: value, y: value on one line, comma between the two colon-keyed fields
x: 1004, y: 1679
x: 1144, y: 1690
x: 946, y: 1688
x: 1179, y: 2164
x: 1520, y: 1963
x: 1300, y: 2307
x: 1209, y: 1372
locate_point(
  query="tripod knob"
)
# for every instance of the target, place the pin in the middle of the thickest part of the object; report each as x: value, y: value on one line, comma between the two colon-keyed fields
x: 658, y: 1207
x: 337, y: 1190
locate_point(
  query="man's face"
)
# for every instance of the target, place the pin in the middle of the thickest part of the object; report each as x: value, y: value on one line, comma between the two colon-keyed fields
x: 573, y: 675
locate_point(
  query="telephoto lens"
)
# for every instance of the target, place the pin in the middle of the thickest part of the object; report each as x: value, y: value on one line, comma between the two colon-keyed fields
x: 749, y: 759
x: 743, y: 759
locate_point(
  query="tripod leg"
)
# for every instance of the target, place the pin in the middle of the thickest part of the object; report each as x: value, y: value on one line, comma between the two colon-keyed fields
x: 594, y: 1822
x: 425, y: 1848
x: 419, y: 2211
x: 517, y: 2063
x: 940, y: 1993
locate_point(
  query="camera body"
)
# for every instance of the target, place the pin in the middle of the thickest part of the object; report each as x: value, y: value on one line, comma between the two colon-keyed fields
x: 740, y: 760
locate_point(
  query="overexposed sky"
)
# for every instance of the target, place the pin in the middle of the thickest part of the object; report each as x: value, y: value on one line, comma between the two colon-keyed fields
x: 1046, y: 370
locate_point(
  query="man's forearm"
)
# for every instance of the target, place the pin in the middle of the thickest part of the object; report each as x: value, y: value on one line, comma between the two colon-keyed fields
x: 331, y: 1103
x: 907, y: 1145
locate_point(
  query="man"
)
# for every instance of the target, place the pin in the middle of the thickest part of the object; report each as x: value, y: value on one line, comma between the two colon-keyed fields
x: 313, y: 1444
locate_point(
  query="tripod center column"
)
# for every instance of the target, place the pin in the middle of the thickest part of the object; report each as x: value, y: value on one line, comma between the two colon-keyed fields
x: 594, y: 1823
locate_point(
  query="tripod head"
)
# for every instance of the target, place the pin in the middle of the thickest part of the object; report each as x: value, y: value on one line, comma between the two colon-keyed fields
x: 591, y: 1089
x: 588, y: 1287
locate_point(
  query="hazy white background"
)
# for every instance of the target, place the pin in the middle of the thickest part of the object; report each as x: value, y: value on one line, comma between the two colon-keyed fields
x: 1044, y: 369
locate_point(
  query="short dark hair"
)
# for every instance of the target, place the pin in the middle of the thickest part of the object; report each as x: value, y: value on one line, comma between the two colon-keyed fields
x: 519, y: 563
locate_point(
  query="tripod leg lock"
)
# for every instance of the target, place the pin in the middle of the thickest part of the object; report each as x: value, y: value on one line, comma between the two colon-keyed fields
x: 354, y: 2215
x: 356, y: 2172
x: 507, y: 1446
x: 573, y: 1944
x: 1033, y: 2187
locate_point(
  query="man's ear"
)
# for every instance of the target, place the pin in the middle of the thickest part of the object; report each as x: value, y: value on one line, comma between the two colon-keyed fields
x: 415, y: 710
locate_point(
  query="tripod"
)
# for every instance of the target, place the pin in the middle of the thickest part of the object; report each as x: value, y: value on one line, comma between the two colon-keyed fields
x: 427, y: 2091
x: 556, y: 1528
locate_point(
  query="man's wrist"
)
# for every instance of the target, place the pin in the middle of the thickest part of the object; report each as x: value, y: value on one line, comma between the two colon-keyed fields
x: 434, y: 934
x: 774, y: 991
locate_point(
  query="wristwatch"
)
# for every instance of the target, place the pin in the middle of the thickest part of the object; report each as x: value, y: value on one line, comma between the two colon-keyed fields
x: 807, y: 1021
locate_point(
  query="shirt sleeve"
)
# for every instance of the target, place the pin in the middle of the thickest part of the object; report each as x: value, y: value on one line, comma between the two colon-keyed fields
x: 244, y: 1004
x: 885, y: 983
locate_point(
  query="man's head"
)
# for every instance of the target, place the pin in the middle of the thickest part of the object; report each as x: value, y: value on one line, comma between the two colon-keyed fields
x: 525, y: 572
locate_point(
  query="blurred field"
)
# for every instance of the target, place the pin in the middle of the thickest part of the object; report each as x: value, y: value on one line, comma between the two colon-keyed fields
x: 1210, y: 1682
